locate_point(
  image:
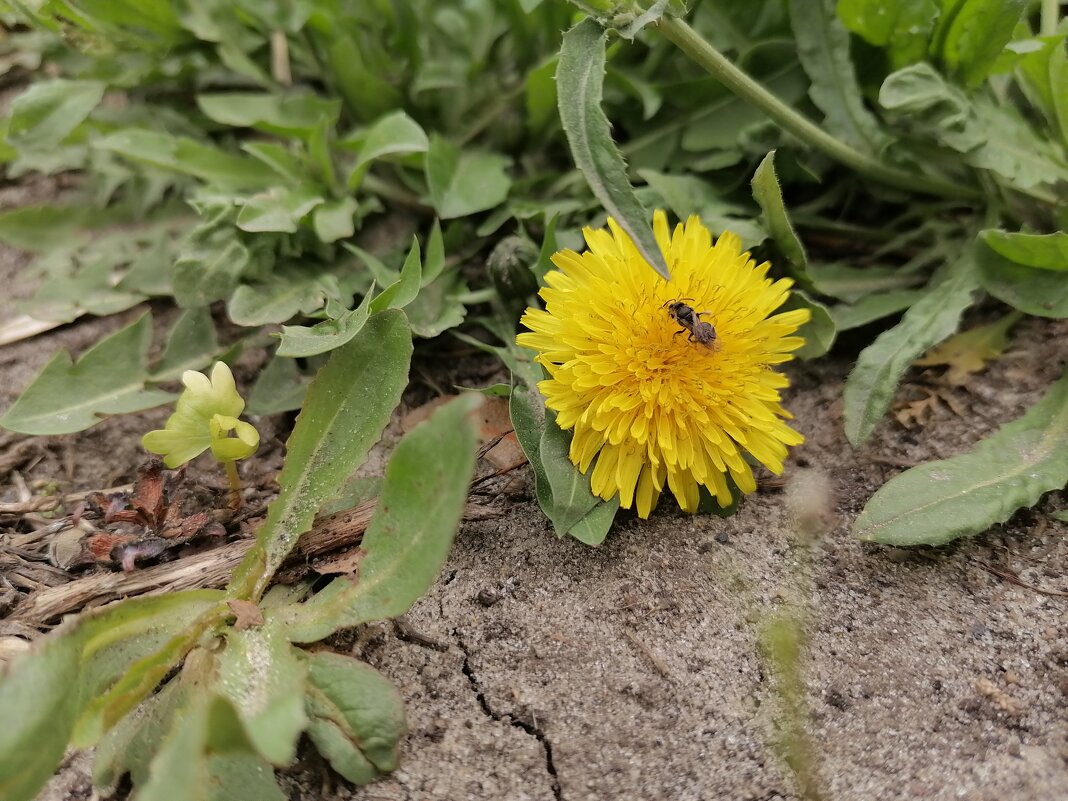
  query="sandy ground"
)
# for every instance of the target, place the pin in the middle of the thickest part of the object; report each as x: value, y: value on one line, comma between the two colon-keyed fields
x: 632, y: 671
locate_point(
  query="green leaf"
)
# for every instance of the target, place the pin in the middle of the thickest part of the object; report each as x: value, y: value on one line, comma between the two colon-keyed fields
x: 1042, y: 292
x: 402, y: 291
x: 262, y: 677
x: 903, y: 27
x: 346, y: 408
x: 579, y: 83
x: 334, y: 219
x: 1044, y: 251
x: 464, y: 182
x: 974, y: 33
x: 768, y: 195
x: 823, y: 47
x: 187, y: 156
x: 418, y: 510
x: 42, y: 228
x: 870, y: 387
x: 284, y: 115
x: 278, y: 209
x: 45, y: 690
x: 395, y: 134
x: 46, y: 113
x: 211, y: 261
x: 287, y: 292
x: 298, y: 341
x: 357, y: 716
x: 109, y: 378
x: 281, y: 387
x: 989, y: 136
x: 191, y: 345
x: 129, y: 746
x: 819, y: 332
x: 872, y: 307
x: 438, y: 306
x: 563, y: 492
x: 940, y: 501
x: 853, y: 283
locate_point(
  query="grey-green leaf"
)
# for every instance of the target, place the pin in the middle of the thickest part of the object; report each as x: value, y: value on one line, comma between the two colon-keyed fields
x: 940, y: 501
x: 357, y: 716
x: 418, y: 510
x: 263, y: 678
x: 285, y: 115
x: 42, y: 116
x: 819, y: 332
x: 109, y: 378
x: 346, y: 408
x: 395, y: 134
x: 580, y: 82
x: 870, y: 387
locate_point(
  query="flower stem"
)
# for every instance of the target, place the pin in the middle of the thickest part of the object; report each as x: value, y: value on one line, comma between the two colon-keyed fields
x: 694, y: 45
x: 1050, y: 11
x: 235, y: 483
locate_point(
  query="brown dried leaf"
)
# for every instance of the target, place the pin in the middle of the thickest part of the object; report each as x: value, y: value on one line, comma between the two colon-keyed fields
x: 247, y: 613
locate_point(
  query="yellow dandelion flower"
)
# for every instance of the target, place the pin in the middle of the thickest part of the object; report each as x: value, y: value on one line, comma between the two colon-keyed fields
x: 653, y: 401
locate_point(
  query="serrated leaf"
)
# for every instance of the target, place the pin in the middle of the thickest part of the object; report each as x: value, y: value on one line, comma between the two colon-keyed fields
x: 1043, y: 293
x: 969, y: 351
x: 263, y: 678
x: 419, y: 508
x: 298, y: 341
x: 768, y: 195
x: 823, y: 48
x: 463, y: 182
x: 438, y: 306
x: 1044, y: 251
x: 940, y: 501
x: 285, y: 294
x: 357, y: 716
x: 346, y: 408
x: 870, y: 387
x: 191, y: 345
x: 580, y: 82
x: 283, y: 115
x: 109, y: 378
x: 46, y: 113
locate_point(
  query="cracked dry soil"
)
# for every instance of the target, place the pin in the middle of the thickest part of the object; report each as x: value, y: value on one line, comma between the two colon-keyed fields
x: 547, y: 670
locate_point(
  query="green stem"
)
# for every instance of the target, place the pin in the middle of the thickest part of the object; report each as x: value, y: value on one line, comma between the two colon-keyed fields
x: 235, y: 483
x: 1047, y: 23
x: 693, y: 45
x: 390, y: 191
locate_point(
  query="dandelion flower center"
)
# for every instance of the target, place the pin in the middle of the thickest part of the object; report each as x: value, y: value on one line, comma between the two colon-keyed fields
x: 653, y: 396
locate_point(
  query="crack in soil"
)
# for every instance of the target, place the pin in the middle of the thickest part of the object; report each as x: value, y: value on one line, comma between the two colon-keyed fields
x: 529, y: 728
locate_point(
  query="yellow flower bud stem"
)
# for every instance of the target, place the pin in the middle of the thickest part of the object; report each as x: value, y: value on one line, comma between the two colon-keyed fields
x: 235, y: 483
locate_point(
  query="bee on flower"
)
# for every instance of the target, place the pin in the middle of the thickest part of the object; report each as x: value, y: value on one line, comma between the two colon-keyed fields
x: 650, y: 409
